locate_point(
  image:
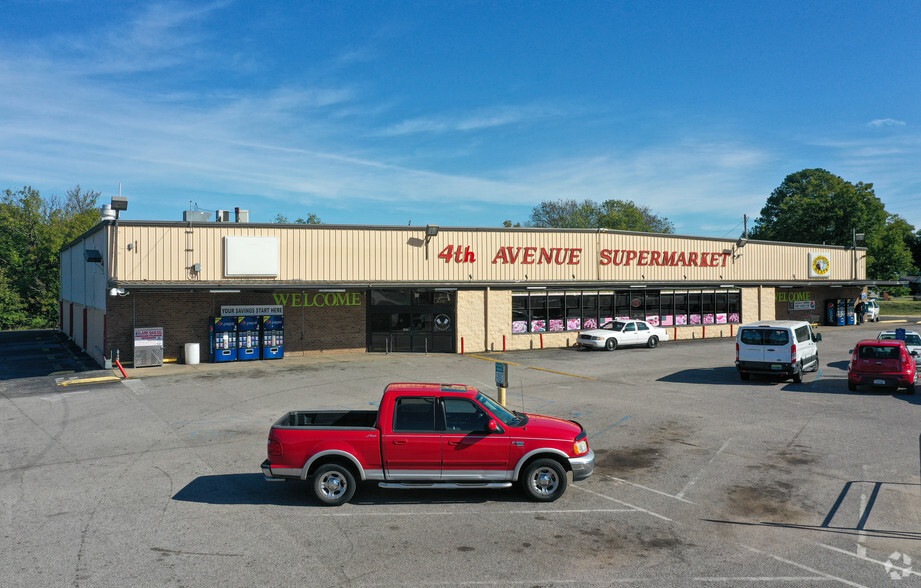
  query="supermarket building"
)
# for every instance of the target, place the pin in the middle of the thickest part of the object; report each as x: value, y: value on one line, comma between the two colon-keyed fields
x: 429, y: 289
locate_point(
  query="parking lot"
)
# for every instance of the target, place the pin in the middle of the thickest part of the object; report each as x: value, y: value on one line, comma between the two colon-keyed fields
x: 701, y: 479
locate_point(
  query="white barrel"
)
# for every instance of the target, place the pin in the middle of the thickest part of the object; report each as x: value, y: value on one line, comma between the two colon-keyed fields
x: 191, y: 353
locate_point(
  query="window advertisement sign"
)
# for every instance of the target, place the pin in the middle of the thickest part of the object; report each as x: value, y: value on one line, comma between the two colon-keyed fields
x: 251, y: 310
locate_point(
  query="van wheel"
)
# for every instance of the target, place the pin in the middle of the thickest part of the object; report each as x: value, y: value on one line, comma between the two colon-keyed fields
x: 333, y: 484
x: 544, y: 480
x: 798, y: 377
x: 653, y: 342
x: 610, y: 344
x: 816, y: 367
x: 744, y: 375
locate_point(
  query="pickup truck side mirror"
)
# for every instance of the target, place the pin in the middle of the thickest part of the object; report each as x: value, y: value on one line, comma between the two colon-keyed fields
x: 493, y: 426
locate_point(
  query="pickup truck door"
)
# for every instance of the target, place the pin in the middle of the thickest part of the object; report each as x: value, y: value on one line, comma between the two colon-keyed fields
x: 412, y: 451
x: 470, y: 452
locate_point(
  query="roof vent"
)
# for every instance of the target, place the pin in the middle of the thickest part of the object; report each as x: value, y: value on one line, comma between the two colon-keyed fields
x: 107, y: 213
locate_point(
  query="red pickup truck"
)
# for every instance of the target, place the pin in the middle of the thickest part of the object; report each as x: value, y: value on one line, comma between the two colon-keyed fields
x: 428, y: 436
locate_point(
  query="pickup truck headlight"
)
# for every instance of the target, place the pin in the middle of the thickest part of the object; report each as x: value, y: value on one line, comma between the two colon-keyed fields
x: 580, y: 447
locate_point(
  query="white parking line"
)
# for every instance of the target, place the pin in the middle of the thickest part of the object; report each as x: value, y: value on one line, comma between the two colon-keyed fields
x: 700, y: 473
x: 478, y: 513
x: 906, y: 571
x: 807, y: 568
x: 649, y: 489
x: 636, y: 508
x: 767, y: 579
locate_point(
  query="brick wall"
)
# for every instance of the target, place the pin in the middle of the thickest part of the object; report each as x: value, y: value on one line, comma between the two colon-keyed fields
x: 185, y: 318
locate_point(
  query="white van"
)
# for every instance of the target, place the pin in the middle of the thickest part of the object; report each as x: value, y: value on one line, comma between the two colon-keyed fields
x: 782, y: 349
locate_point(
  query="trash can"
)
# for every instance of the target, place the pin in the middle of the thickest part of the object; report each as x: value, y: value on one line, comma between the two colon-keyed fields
x: 191, y: 353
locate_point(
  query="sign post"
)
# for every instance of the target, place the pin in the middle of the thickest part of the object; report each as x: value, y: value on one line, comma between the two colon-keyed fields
x: 502, y: 380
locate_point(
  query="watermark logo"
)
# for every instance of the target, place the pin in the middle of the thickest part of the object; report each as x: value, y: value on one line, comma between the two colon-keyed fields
x: 894, y: 565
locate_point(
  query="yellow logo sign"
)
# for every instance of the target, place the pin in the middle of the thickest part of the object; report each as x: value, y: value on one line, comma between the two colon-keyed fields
x: 820, y: 265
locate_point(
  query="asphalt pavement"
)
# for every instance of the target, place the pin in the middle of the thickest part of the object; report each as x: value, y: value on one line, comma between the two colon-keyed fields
x: 701, y: 479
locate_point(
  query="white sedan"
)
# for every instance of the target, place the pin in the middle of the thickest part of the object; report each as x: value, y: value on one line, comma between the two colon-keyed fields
x: 622, y: 332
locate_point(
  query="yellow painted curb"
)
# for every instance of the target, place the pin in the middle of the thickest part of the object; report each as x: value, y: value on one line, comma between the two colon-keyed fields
x: 562, y: 373
x: 89, y: 381
x: 491, y: 359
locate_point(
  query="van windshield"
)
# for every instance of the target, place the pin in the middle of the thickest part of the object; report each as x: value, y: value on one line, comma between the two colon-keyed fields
x: 765, y: 336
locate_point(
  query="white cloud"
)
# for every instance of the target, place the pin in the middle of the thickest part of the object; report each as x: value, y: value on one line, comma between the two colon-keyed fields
x: 483, y: 118
x: 886, y: 122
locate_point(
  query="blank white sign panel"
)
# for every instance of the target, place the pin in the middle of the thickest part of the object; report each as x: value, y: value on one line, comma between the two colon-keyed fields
x: 251, y: 257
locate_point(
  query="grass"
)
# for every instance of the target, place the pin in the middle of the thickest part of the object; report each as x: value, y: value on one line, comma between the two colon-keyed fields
x: 903, y: 306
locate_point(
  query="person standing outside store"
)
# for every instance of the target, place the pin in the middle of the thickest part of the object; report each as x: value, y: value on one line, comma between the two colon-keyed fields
x: 861, y: 309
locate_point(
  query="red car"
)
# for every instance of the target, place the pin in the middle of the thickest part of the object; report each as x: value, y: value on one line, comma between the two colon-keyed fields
x: 878, y: 362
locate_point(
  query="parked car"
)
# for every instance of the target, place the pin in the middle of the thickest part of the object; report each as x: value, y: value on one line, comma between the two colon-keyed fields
x: 882, y: 362
x: 780, y: 349
x: 872, y: 314
x: 437, y: 436
x: 622, y: 332
x: 912, y: 341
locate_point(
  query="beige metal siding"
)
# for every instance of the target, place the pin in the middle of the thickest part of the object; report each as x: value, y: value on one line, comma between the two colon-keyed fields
x: 373, y: 255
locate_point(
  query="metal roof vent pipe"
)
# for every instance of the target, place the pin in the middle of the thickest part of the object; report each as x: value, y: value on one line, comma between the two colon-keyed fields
x: 107, y: 213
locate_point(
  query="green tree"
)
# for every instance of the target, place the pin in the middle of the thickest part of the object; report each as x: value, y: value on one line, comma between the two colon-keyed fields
x: 623, y: 215
x: 816, y: 206
x: 311, y: 219
x: 33, y: 230
x: 889, y: 252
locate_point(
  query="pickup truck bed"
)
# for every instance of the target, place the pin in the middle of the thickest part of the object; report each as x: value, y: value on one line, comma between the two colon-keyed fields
x: 327, y: 419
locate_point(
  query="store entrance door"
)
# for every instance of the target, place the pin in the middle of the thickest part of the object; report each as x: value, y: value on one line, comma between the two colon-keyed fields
x: 417, y: 321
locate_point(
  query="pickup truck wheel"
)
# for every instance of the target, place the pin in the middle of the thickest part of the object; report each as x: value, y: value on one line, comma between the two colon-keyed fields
x: 744, y: 375
x: 333, y: 484
x: 544, y: 480
x: 610, y: 344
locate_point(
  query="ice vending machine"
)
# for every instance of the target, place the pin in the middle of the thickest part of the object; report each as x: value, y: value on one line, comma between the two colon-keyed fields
x: 247, y: 338
x: 223, y: 338
x: 273, y: 337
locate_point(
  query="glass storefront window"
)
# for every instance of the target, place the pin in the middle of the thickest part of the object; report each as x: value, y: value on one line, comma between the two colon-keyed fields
x: 555, y: 316
x: 541, y: 312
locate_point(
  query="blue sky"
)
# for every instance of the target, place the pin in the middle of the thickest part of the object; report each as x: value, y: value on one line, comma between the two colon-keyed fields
x: 458, y: 113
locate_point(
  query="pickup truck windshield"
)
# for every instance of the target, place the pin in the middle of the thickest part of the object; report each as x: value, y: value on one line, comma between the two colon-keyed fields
x: 499, y: 411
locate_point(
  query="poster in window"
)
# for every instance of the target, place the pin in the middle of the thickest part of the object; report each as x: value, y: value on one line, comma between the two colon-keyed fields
x: 667, y: 320
x: 519, y: 326
x: 721, y: 318
x: 653, y: 320
x: 573, y: 324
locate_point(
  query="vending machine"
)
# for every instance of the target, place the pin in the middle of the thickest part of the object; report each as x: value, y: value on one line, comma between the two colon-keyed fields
x: 223, y: 338
x: 850, y: 315
x: 247, y: 338
x: 273, y: 337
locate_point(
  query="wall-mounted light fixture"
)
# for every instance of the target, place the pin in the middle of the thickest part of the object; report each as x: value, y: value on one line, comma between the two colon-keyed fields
x: 224, y: 291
